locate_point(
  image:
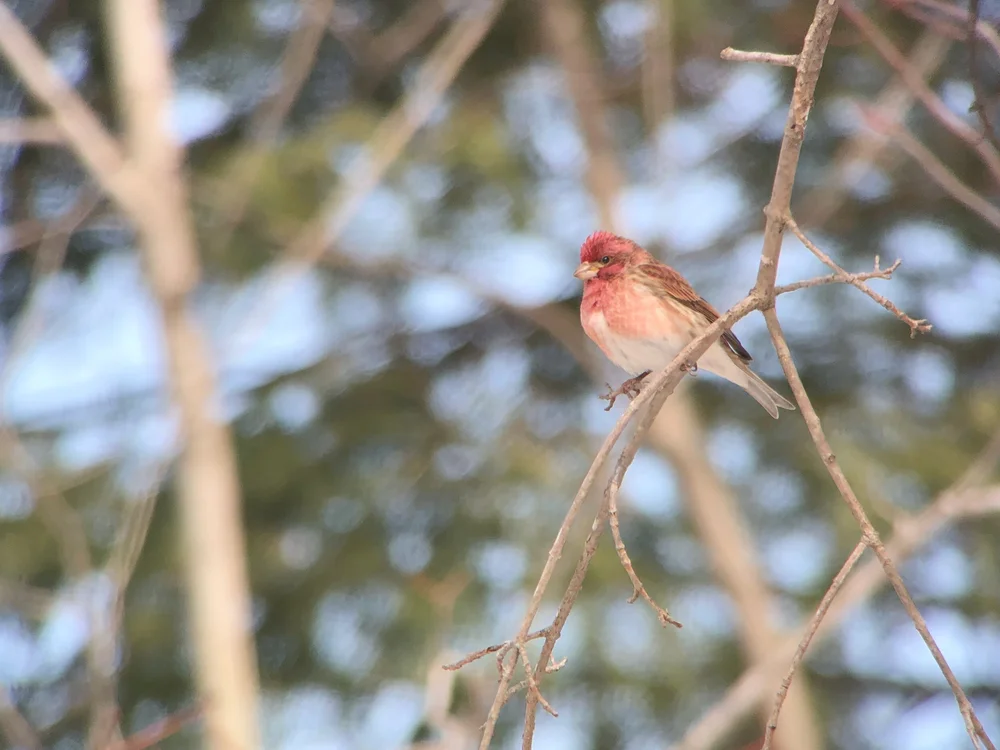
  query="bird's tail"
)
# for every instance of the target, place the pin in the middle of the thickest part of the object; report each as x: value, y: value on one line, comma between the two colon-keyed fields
x: 765, y: 395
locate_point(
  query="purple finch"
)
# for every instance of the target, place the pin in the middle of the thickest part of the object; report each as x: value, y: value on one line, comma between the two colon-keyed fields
x: 641, y: 313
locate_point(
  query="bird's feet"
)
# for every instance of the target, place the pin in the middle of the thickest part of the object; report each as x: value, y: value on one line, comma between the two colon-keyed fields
x: 691, y: 368
x: 630, y: 388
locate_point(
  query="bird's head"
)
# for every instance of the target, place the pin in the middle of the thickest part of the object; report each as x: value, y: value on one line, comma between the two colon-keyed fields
x: 605, y: 255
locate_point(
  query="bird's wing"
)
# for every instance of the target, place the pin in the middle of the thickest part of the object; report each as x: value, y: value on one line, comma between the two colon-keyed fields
x: 666, y: 282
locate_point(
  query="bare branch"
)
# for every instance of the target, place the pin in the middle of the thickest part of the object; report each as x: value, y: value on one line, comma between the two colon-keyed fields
x: 533, y: 691
x: 916, y: 326
x: 957, y: 502
x: 811, y: 628
x: 840, y: 278
x: 770, y: 58
x: 638, y: 589
x: 870, y: 535
x: 806, y: 76
x: 501, y: 647
x: 553, y: 666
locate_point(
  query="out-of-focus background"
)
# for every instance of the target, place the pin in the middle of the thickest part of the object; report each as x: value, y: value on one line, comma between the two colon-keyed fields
x: 414, y: 407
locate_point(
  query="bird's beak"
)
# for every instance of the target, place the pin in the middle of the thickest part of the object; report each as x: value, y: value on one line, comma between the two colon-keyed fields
x: 586, y: 271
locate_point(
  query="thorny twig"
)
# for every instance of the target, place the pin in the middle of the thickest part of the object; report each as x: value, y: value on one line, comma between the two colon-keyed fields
x: 529, y: 673
x: 554, y: 666
x: 916, y: 326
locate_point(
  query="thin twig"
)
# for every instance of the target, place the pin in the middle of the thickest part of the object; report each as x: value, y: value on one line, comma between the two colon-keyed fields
x: 840, y: 278
x: 529, y: 673
x: 916, y: 326
x: 638, y: 589
x: 554, y: 666
x: 770, y: 58
x: 871, y: 536
x: 810, y: 631
x: 936, y: 169
x: 915, y: 81
x: 476, y: 655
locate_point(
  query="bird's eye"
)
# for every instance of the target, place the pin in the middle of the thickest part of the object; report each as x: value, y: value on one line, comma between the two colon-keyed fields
x: 606, y: 259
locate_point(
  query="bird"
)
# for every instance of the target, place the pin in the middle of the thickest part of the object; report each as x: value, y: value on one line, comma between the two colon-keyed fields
x: 641, y: 313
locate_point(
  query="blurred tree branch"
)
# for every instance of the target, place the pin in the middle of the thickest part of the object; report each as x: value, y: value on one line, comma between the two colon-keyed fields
x: 296, y: 64
x: 915, y: 81
x: 146, y: 181
x: 16, y: 728
x: 982, y: 102
x: 386, y: 145
x: 936, y: 169
x: 36, y: 130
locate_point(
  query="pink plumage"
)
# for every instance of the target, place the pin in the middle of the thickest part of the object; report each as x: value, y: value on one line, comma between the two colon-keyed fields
x: 642, y: 313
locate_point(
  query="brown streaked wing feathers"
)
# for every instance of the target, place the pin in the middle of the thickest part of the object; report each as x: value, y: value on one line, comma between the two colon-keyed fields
x: 664, y: 280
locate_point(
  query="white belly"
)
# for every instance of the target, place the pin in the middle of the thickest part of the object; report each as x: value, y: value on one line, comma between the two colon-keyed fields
x: 635, y: 355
